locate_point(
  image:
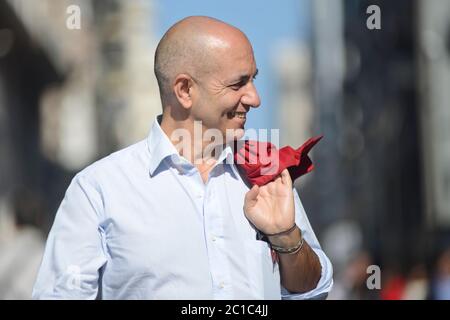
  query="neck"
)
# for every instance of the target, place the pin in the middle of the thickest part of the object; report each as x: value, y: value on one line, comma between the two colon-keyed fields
x: 187, y: 137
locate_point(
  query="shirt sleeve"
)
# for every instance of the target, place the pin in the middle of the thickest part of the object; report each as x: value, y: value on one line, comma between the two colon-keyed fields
x: 326, y: 280
x: 75, y: 251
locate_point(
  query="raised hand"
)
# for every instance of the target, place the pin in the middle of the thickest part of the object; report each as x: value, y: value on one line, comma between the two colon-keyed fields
x: 270, y: 208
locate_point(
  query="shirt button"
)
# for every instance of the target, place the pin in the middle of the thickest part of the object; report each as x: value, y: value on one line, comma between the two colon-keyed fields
x: 213, y: 239
x: 222, y: 285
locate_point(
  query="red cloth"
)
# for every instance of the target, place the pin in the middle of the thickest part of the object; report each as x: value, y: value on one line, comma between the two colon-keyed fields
x: 262, y: 162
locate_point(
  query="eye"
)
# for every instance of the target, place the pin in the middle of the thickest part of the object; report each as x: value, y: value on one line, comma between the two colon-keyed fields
x: 242, y: 82
x: 238, y: 85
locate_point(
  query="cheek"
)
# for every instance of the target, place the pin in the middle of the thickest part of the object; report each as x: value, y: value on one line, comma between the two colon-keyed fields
x: 231, y: 103
x: 214, y: 111
x: 211, y: 115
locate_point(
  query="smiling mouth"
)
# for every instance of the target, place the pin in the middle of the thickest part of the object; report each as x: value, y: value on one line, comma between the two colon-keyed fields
x: 240, y: 115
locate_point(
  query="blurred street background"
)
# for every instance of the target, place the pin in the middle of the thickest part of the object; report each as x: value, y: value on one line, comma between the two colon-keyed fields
x: 380, y: 193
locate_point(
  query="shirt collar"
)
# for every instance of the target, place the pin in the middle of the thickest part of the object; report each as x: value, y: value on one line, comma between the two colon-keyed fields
x: 227, y: 155
x: 160, y: 147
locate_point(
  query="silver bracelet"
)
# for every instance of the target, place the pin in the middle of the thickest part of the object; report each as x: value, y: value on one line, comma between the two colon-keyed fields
x: 291, y: 250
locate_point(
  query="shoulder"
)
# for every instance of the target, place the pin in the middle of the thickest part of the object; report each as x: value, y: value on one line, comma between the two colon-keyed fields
x: 120, y: 163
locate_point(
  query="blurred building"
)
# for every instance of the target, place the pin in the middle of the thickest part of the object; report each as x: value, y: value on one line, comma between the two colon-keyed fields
x: 110, y: 96
x: 380, y: 116
x: 295, y: 100
x: 294, y: 83
x: 95, y: 89
x: 127, y: 92
x: 26, y: 71
x: 433, y: 47
x: 76, y: 83
x: 381, y: 102
x: 373, y: 113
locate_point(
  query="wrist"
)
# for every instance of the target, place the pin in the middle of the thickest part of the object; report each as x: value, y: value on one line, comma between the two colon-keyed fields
x: 286, y: 240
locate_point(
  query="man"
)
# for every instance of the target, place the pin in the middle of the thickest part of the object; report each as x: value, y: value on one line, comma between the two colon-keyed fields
x: 160, y: 221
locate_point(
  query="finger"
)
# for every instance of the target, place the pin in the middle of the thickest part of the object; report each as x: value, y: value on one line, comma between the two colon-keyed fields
x: 286, y: 178
x: 278, y: 179
x: 277, y: 183
x: 272, y: 187
x: 264, y: 191
x: 251, y: 195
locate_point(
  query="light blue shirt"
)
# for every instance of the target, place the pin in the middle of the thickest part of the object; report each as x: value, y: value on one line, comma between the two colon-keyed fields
x: 142, y: 224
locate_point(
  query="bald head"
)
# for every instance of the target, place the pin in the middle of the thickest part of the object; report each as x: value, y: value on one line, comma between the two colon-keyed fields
x: 194, y: 46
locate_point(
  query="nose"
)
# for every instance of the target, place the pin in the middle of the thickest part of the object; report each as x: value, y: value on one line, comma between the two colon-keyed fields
x: 251, y: 97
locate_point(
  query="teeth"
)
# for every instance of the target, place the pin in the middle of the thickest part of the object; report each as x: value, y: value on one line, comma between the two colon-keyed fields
x: 240, y: 115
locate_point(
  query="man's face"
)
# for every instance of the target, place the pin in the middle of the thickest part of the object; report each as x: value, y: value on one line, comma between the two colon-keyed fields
x: 225, y: 95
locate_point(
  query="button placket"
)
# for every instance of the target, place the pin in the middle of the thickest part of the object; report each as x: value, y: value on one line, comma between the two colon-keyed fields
x: 213, y: 231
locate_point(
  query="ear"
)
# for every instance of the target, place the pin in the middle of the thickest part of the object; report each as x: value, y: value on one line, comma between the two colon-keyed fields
x: 182, y: 89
